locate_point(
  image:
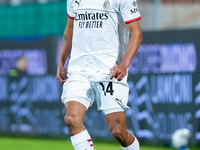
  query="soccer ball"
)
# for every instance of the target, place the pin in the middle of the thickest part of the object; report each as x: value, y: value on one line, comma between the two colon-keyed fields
x: 180, y: 138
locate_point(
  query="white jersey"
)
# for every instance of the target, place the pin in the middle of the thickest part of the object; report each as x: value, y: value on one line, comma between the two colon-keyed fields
x: 100, y: 34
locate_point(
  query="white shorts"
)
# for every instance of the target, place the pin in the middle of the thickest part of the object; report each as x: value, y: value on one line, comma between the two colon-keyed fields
x: 111, y: 95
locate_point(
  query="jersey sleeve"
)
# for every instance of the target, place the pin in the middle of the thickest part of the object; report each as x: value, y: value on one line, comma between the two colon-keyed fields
x: 129, y: 11
x: 70, y: 10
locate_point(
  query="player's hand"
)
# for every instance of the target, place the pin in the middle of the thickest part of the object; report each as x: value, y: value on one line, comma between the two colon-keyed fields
x: 61, y: 74
x: 119, y: 72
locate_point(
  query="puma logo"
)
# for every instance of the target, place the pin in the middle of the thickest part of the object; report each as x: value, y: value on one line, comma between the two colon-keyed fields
x: 78, y: 2
x: 119, y: 100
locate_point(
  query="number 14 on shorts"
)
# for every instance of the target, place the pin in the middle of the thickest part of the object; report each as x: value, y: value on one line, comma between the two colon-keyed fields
x: 107, y: 88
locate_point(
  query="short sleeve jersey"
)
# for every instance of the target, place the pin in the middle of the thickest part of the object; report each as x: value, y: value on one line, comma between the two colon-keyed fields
x: 100, y: 34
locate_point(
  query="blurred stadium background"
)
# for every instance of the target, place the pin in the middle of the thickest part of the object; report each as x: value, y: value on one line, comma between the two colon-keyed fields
x: 164, y: 76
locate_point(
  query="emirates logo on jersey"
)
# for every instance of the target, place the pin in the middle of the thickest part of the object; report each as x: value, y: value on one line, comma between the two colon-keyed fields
x: 106, y: 5
x: 90, y: 20
x: 91, y: 16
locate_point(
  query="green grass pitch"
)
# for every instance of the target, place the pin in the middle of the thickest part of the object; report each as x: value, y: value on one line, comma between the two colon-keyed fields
x: 8, y: 143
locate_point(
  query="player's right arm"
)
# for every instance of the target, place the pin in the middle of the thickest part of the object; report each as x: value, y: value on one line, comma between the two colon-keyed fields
x: 66, y: 49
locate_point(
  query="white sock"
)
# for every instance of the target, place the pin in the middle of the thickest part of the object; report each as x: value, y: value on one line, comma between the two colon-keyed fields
x: 82, y: 141
x: 134, y: 146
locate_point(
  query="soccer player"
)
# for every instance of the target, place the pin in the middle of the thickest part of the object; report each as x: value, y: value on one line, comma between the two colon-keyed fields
x: 101, y: 37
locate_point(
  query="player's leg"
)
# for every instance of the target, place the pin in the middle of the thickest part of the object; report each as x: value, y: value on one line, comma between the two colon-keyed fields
x: 113, y: 102
x: 74, y: 116
x: 77, y: 97
x: 117, y: 125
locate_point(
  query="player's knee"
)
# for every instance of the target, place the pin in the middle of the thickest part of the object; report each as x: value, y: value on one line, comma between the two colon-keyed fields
x: 71, y: 120
x: 117, y: 133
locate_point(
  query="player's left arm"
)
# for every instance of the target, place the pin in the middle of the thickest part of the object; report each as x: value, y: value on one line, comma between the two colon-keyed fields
x: 120, y: 71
